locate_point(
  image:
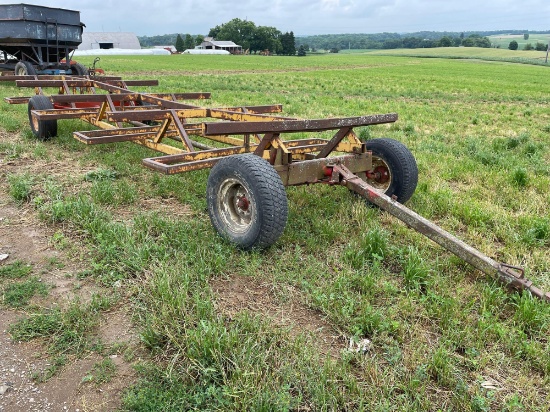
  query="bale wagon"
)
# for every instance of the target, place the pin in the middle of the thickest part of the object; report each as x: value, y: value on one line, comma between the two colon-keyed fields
x: 252, y: 155
x: 39, y: 40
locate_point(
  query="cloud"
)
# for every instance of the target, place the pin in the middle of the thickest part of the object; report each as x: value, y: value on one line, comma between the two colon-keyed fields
x: 308, y: 16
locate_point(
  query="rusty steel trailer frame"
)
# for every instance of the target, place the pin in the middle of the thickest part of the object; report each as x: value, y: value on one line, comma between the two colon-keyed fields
x: 160, y: 121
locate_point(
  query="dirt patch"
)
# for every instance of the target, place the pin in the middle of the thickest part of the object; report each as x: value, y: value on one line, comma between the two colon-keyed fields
x: 24, y: 237
x: 164, y: 206
x: 116, y: 327
x: 238, y: 294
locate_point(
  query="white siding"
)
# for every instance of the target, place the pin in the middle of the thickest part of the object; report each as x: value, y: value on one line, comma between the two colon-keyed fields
x: 119, y: 40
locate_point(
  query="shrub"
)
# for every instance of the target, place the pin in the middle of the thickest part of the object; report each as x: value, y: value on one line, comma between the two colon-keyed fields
x: 513, y: 45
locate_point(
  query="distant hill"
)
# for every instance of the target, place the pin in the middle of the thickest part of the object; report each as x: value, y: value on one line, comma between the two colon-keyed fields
x: 361, y: 40
x: 391, y: 40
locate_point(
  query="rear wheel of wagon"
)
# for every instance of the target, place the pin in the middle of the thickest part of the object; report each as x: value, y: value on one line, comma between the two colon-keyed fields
x: 24, y: 68
x: 247, y: 201
x: 394, y: 170
x: 78, y: 69
x: 41, y: 129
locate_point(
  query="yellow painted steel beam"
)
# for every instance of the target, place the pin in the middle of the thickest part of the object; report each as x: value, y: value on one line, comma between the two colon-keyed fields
x: 348, y: 147
x: 159, y: 147
x: 226, y: 139
x: 162, y: 130
x: 100, y: 124
x: 242, y: 117
x: 277, y: 143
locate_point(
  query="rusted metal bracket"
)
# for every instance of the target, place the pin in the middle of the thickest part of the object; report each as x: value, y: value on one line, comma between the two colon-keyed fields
x: 511, y: 276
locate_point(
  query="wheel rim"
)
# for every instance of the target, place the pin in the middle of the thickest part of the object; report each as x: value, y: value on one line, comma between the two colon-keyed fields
x: 234, y: 203
x: 380, y: 177
x: 35, y: 124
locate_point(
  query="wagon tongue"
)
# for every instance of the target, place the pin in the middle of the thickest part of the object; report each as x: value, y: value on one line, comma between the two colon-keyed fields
x: 511, y: 276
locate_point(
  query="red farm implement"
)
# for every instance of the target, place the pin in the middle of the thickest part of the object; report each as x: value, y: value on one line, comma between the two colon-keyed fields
x: 251, y: 153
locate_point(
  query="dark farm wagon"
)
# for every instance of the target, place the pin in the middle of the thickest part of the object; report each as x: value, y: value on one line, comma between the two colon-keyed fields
x: 39, y: 40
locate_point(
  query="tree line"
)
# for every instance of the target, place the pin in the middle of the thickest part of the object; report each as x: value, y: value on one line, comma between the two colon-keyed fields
x: 242, y: 32
x: 255, y: 38
x: 259, y: 38
x: 391, y: 41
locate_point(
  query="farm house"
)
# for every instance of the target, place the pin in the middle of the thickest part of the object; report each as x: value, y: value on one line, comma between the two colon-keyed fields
x: 210, y: 44
x: 109, y: 40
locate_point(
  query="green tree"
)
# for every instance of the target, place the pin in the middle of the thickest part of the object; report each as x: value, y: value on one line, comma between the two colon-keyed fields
x: 482, y: 42
x: 540, y: 46
x: 199, y: 39
x: 412, y: 42
x: 265, y: 38
x: 179, y: 44
x: 445, y: 42
x: 189, y: 42
x: 528, y: 46
x: 288, y: 44
x: 513, y: 45
x: 526, y: 36
x: 468, y: 42
x: 301, y: 50
x: 238, y: 31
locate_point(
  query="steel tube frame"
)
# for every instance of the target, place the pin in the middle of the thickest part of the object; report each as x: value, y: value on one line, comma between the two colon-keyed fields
x: 302, y: 161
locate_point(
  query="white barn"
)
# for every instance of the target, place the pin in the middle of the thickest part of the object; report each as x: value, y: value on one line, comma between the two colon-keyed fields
x: 109, y: 40
x: 210, y: 44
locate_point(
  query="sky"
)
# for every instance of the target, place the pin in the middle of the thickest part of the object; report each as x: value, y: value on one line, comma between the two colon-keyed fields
x: 307, y: 17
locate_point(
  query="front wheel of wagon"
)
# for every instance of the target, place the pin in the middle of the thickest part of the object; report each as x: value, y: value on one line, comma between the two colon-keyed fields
x: 24, y: 68
x: 247, y: 201
x: 394, y: 170
x: 41, y: 129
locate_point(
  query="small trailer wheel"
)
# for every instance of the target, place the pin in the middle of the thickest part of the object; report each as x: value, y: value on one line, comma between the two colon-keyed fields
x: 247, y: 201
x: 394, y: 170
x: 24, y: 68
x: 41, y: 129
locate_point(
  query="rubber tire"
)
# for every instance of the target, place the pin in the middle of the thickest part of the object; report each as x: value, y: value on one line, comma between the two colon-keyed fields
x: 401, y: 164
x: 24, y: 68
x: 78, y: 69
x: 41, y: 129
x: 147, y: 122
x: 266, y: 194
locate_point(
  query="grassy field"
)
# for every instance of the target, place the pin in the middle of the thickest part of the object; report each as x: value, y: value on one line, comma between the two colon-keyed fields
x: 489, y: 54
x: 443, y: 336
x: 504, y: 40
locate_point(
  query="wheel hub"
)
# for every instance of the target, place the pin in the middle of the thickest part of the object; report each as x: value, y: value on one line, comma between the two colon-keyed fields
x: 379, y: 176
x: 237, y: 210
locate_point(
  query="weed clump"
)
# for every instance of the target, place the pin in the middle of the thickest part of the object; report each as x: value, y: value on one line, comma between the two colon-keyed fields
x: 101, y: 174
x: 19, y: 294
x: 520, y: 178
x: 20, y: 187
x: 15, y: 270
x: 373, y: 245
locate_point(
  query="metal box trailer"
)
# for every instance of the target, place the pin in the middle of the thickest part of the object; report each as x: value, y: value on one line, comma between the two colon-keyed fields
x: 35, y: 39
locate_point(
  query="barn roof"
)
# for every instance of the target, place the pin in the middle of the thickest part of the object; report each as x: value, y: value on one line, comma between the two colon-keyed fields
x: 223, y: 43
